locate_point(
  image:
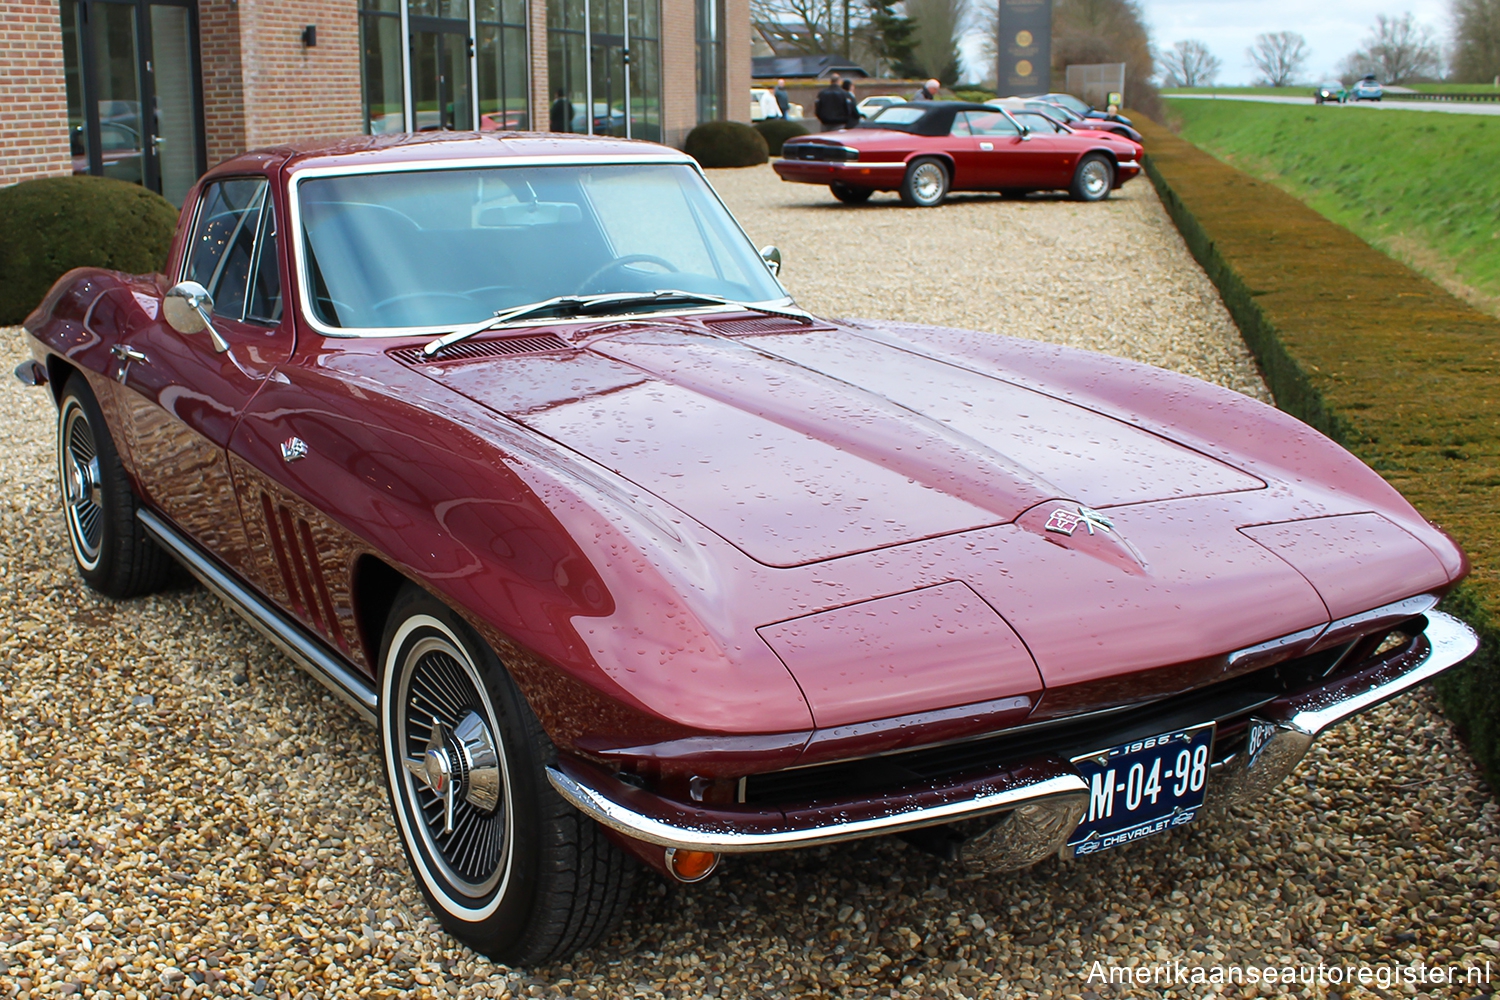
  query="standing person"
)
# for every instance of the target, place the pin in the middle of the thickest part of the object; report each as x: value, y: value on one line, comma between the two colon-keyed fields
x: 782, y: 101
x: 562, y: 113
x: 929, y: 91
x: 852, y: 106
x: 832, y: 107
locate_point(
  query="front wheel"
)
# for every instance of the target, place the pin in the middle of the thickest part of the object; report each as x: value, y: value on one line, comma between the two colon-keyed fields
x: 111, y: 549
x: 850, y: 195
x: 1093, y: 179
x: 925, y: 184
x: 508, y: 867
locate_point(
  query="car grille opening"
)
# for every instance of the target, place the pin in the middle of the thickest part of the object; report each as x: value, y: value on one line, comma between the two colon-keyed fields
x: 762, y: 324
x: 538, y: 343
x: 1230, y: 703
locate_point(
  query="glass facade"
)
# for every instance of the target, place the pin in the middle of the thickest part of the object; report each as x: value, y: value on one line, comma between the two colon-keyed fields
x: 710, y: 30
x: 504, y: 92
x: 604, y: 67
x: 380, y: 66
x: 130, y: 68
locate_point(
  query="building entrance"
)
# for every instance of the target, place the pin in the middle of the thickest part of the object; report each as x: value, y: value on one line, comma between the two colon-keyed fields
x: 134, y: 111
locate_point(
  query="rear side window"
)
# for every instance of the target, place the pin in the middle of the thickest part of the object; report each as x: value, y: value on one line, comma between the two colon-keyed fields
x: 233, y: 253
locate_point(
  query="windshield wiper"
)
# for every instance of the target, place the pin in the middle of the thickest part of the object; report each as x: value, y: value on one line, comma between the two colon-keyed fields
x: 587, y: 305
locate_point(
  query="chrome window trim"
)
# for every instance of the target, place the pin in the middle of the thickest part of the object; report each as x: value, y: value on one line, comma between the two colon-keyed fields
x: 294, y: 209
x: 192, y: 232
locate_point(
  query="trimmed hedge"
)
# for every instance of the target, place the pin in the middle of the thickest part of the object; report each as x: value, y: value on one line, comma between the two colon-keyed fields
x: 52, y: 225
x: 1372, y: 354
x: 777, y: 131
x: 726, y: 144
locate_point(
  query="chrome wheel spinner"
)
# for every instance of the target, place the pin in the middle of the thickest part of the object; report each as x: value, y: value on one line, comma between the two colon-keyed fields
x: 462, y: 763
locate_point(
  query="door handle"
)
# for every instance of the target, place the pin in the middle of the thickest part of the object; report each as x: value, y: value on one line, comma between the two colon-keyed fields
x: 127, y: 353
x: 986, y: 145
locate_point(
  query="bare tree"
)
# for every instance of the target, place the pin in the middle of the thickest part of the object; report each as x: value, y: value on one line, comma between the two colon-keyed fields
x: 1189, y: 64
x: 1476, y: 40
x: 1398, y: 50
x: 1280, y: 57
x: 805, y: 27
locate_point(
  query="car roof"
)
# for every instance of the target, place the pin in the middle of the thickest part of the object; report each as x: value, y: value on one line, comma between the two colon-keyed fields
x: 435, y: 147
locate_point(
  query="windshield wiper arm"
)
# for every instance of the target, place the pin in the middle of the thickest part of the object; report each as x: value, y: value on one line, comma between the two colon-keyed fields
x: 568, y: 303
x: 588, y: 304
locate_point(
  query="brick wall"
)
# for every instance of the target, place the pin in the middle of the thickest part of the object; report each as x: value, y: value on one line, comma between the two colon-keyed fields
x: 679, y: 66
x: 737, y: 59
x: 292, y: 91
x: 223, y: 78
x: 33, y: 95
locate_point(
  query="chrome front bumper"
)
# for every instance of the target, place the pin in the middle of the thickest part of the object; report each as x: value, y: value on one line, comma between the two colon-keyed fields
x: 1036, y: 805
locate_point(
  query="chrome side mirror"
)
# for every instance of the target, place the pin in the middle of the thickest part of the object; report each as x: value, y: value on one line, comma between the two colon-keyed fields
x: 186, y: 309
x: 772, y: 257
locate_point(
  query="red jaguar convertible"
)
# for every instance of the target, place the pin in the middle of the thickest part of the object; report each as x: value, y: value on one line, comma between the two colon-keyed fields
x: 519, y: 446
x: 926, y: 149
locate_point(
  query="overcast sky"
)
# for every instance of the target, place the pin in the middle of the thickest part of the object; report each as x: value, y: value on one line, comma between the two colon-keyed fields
x: 1333, y: 28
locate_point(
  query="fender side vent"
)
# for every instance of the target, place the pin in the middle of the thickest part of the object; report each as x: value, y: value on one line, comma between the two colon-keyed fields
x: 765, y: 324
x: 301, y: 569
x: 495, y: 347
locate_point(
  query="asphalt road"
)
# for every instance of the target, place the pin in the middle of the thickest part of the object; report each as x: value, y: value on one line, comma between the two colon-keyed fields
x: 1450, y: 107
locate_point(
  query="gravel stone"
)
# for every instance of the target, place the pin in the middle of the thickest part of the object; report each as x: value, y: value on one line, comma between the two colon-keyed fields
x: 231, y: 837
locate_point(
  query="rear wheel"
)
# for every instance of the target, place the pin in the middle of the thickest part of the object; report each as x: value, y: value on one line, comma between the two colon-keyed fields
x: 111, y: 549
x: 850, y: 195
x: 1093, y: 179
x: 925, y: 184
x: 508, y: 867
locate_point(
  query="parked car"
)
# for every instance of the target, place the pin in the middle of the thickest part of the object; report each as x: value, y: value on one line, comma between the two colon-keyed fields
x: 870, y: 106
x: 1366, y: 89
x: 1082, y: 108
x: 608, y: 120
x: 1330, y: 92
x: 503, y: 120
x: 925, y: 149
x: 519, y: 446
x: 1061, y: 114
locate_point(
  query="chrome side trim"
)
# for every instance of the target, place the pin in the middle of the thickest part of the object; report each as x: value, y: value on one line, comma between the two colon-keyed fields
x: 687, y: 837
x: 285, y: 634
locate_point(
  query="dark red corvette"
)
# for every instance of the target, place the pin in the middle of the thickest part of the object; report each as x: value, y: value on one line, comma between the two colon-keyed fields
x: 520, y: 447
x: 926, y: 149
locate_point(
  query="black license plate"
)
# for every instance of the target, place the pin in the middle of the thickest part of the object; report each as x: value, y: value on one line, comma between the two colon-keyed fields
x: 1143, y: 787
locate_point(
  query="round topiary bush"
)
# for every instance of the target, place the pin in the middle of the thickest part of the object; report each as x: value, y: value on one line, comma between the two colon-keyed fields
x: 726, y: 144
x: 52, y: 225
x: 777, y: 131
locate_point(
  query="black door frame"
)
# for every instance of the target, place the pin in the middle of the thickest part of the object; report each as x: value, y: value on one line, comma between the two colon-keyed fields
x: 145, y: 72
x: 420, y: 23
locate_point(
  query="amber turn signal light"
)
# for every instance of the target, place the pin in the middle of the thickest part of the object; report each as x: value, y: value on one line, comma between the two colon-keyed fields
x: 691, y: 866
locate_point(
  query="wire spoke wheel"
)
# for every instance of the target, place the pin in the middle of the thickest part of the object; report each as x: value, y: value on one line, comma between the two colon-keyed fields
x: 81, y: 482
x: 1094, y: 178
x: 454, y: 769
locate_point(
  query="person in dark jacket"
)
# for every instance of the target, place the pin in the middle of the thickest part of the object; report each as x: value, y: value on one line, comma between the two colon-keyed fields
x: 832, y: 107
x: 782, y: 101
x: 562, y: 113
x: 852, y: 115
x: 929, y: 91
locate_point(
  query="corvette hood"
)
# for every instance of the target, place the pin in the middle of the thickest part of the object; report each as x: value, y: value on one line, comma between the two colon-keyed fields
x: 812, y: 445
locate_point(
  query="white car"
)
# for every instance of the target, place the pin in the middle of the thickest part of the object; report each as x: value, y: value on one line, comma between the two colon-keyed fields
x: 872, y: 105
x: 763, y: 105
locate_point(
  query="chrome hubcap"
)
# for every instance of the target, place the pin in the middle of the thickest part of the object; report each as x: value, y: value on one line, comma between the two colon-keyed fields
x: 82, y: 484
x: 454, y: 767
x: 1095, y: 178
x: 927, y: 182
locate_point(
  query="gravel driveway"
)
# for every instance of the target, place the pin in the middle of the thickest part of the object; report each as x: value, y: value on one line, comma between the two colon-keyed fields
x: 182, y: 811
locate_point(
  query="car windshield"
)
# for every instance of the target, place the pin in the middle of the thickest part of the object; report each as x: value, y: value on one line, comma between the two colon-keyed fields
x: 442, y: 248
x: 1070, y: 102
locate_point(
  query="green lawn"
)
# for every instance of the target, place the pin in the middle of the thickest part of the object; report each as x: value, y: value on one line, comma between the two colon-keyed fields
x: 1456, y: 88
x: 1253, y: 91
x: 1420, y: 186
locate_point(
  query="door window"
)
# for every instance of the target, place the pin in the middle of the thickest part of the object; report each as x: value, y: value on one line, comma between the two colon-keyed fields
x: 989, y: 123
x: 232, y: 241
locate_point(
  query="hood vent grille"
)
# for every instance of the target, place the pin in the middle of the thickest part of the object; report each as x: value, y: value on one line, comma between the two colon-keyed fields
x: 533, y: 344
x: 750, y: 327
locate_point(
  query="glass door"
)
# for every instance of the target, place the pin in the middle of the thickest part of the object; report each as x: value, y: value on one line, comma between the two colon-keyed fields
x: 616, y: 88
x: 131, y: 70
x: 442, y: 92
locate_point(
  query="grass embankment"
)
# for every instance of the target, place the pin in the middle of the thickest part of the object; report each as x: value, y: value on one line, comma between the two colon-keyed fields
x: 1298, y: 91
x: 1418, y: 185
x: 1374, y: 355
x: 1455, y: 88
